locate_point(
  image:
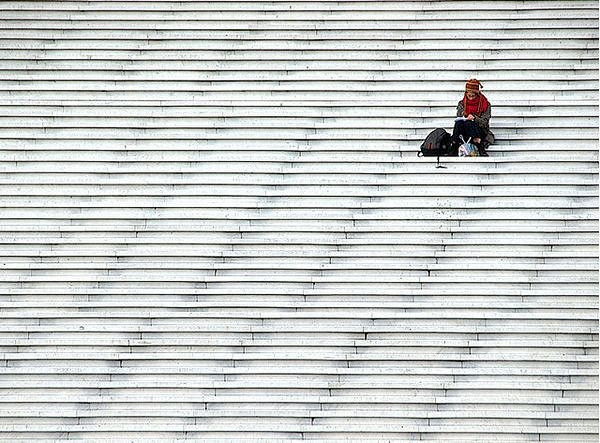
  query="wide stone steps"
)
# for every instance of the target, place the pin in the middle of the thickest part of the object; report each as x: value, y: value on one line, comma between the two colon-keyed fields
x: 214, y: 225
x: 282, y: 431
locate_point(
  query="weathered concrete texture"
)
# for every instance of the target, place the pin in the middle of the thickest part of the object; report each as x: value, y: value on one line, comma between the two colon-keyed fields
x: 214, y: 225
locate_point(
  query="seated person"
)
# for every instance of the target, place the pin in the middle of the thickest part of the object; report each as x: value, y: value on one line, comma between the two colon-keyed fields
x: 476, y: 110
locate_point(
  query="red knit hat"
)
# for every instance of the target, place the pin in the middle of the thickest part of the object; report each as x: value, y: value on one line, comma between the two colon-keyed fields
x: 473, y: 85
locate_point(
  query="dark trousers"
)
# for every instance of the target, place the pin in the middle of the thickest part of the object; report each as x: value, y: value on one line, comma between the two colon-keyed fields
x: 468, y: 129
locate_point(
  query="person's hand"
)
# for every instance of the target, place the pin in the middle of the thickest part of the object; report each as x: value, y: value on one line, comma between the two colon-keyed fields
x: 470, y: 117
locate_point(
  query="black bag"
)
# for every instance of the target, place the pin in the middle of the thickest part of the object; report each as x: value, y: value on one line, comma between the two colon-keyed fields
x: 437, y: 144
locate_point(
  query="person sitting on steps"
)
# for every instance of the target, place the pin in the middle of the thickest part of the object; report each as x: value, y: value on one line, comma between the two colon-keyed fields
x: 476, y: 112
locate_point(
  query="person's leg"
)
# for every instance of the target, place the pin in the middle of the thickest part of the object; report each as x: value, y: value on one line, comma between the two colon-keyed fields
x: 459, y: 129
x: 469, y: 130
x: 472, y: 131
x: 477, y: 136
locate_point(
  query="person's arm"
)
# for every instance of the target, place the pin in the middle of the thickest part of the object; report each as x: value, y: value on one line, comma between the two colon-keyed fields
x: 483, y: 120
x: 460, y: 110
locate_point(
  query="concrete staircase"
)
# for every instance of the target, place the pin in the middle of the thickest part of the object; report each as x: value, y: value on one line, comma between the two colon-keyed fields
x: 214, y: 225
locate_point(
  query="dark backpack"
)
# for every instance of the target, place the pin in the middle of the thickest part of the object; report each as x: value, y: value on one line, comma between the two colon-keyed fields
x: 437, y: 144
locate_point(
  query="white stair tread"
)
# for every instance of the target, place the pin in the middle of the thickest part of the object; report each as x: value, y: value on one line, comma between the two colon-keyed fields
x: 297, y: 342
x: 214, y: 224
x: 452, y: 386
x: 341, y: 399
